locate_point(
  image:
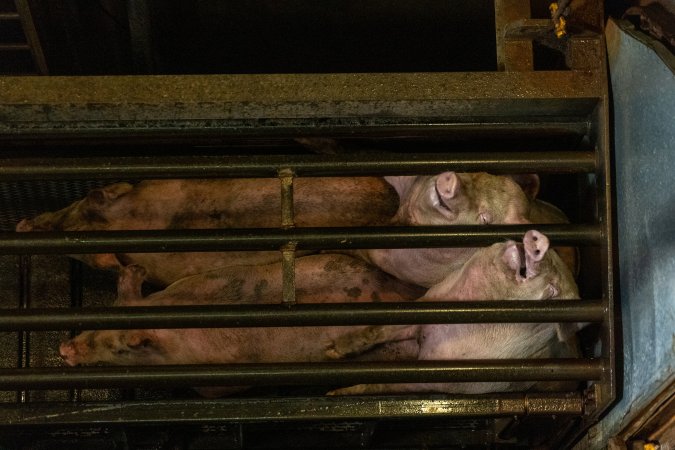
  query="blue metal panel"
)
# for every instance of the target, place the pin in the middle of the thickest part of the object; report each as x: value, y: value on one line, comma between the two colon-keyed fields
x: 643, y: 86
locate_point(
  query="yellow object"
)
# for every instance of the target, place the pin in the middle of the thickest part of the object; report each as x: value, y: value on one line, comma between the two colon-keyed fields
x: 650, y: 447
x: 560, y: 27
x: 560, y: 23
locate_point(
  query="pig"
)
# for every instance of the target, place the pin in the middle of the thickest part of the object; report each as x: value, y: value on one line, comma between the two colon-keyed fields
x: 325, y: 278
x: 502, y: 271
x: 217, y: 203
x: 445, y: 199
x: 452, y: 198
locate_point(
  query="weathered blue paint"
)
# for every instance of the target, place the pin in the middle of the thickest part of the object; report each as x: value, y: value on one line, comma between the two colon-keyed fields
x: 643, y: 90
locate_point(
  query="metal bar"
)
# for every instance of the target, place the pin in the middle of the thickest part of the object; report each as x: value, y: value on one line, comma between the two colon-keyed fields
x: 512, y: 56
x: 294, y: 408
x: 288, y: 273
x: 287, y: 214
x: 215, y: 131
x: 31, y: 34
x: 318, y: 373
x: 287, y: 222
x: 377, y: 163
x: 23, y: 355
x: 14, y: 47
x: 267, y: 238
x: 276, y: 315
x: 248, y: 93
x: 9, y: 16
x: 76, y: 294
x: 141, y: 33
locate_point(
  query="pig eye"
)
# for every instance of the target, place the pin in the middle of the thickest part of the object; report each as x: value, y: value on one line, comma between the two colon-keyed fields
x: 485, y: 218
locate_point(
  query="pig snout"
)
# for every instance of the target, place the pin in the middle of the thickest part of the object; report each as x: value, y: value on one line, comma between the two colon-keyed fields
x: 535, y: 245
x: 71, y: 352
x: 24, y: 225
x: 524, y: 258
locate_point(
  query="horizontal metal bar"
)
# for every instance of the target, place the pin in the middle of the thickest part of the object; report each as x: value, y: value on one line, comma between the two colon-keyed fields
x: 321, y: 373
x: 9, y: 16
x: 292, y: 408
x: 278, y: 315
x: 14, y: 47
x: 302, y: 165
x: 233, y: 131
x: 268, y: 238
x: 212, y: 91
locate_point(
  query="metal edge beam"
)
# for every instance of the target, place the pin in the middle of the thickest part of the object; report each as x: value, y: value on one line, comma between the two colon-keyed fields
x: 317, y: 373
x: 302, y: 408
x: 377, y: 163
x: 182, y: 91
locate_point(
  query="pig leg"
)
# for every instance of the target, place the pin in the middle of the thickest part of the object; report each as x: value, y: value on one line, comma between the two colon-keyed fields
x: 129, y: 284
x: 357, y: 342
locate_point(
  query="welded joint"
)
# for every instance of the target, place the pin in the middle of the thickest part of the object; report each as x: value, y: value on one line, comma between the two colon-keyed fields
x: 592, y: 397
x: 286, y: 176
x: 288, y: 272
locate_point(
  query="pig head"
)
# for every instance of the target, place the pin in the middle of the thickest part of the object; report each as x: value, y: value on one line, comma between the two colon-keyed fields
x: 503, y: 271
x: 452, y: 198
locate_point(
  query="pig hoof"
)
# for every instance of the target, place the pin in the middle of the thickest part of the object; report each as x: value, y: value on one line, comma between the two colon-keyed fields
x: 24, y: 225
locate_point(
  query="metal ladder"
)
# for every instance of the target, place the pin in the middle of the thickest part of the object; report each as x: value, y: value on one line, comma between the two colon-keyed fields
x: 20, y: 14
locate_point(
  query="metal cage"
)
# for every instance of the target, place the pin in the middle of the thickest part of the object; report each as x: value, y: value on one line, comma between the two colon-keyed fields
x: 67, y: 131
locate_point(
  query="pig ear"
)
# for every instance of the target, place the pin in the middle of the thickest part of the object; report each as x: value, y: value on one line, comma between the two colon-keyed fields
x: 104, y: 196
x: 140, y: 339
x: 529, y: 183
x: 401, y: 184
x: 448, y: 185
